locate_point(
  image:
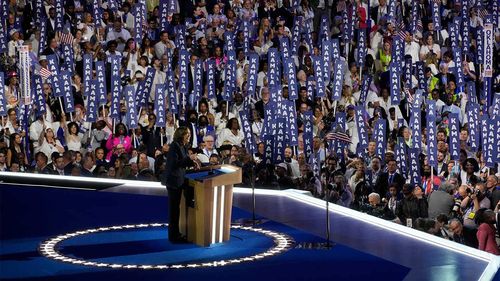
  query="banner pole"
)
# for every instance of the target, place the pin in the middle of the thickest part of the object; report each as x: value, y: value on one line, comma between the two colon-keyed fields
x: 432, y: 179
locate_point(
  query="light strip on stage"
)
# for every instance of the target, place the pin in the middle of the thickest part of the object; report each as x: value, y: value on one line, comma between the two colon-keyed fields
x: 221, y: 222
x: 244, y: 190
x: 494, y: 262
x: 49, y: 249
x: 488, y: 273
x: 400, y: 229
x: 214, y: 214
x: 56, y: 187
x: 70, y: 179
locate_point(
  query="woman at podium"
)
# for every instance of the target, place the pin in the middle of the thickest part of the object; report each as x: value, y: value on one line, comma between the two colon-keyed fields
x: 178, y: 160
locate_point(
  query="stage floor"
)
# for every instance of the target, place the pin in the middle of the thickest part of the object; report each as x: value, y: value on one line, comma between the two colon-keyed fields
x: 366, y: 247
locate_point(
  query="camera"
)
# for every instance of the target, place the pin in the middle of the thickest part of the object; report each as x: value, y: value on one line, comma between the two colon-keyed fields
x: 478, y: 193
x: 331, y: 186
x: 456, y: 206
x: 469, y: 191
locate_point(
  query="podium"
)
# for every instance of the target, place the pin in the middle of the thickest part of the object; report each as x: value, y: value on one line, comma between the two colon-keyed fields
x: 209, y: 220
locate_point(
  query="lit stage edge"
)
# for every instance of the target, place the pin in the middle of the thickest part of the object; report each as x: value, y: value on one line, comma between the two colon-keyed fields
x: 155, y: 188
x: 282, y: 243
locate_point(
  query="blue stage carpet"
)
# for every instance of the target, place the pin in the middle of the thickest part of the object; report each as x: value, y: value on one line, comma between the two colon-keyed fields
x: 31, y: 215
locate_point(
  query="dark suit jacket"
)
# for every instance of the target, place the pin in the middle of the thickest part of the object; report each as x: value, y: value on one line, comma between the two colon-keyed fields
x: 382, y: 184
x: 444, y: 168
x: 152, y: 139
x: 68, y: 168
x: 177, y: 162
x: 54, y: 171
x: 495, y: 197
x: 49, y: 51
x: 469, y: 237
x: 51, y: 169
x: 50, y: 31
x: 45, y: 170
x: 86, y: 173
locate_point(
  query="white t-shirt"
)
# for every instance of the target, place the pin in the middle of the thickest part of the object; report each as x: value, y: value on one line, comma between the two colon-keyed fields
x: 227, y: 135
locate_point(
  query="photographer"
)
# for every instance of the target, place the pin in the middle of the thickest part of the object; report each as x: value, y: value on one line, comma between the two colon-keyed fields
x: 412, y: 206
x: 361, y: 194
x: 332, y: 168
x: 283, y: 178
x: 338, y: 192
x: 462, y: 234
x: 441, y: 201
x: 475, y: 200
x: 309, y: 182
x: 376, y: 208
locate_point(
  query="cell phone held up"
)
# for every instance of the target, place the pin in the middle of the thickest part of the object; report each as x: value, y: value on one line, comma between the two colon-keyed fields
x: 409, y: 223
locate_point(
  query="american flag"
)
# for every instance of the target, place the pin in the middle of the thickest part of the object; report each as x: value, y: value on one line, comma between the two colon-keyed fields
x: 408, y: 94
x: 401, y: 30
x: 420, y: 26
x: 401, y: 34
x: 338, y: 136
x: 482, y: 13
x: 45, y: 73
x: 66, y: 38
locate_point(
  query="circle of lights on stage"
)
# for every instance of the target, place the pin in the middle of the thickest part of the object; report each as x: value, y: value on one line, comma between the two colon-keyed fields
x: 282, y: 243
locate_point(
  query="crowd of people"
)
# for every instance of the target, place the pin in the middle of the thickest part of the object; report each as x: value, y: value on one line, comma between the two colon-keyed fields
x: 457, y: 198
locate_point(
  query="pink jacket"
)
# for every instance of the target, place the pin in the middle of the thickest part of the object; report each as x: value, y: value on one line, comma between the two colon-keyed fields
x: 113, y: 141
x: 486, y: 238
